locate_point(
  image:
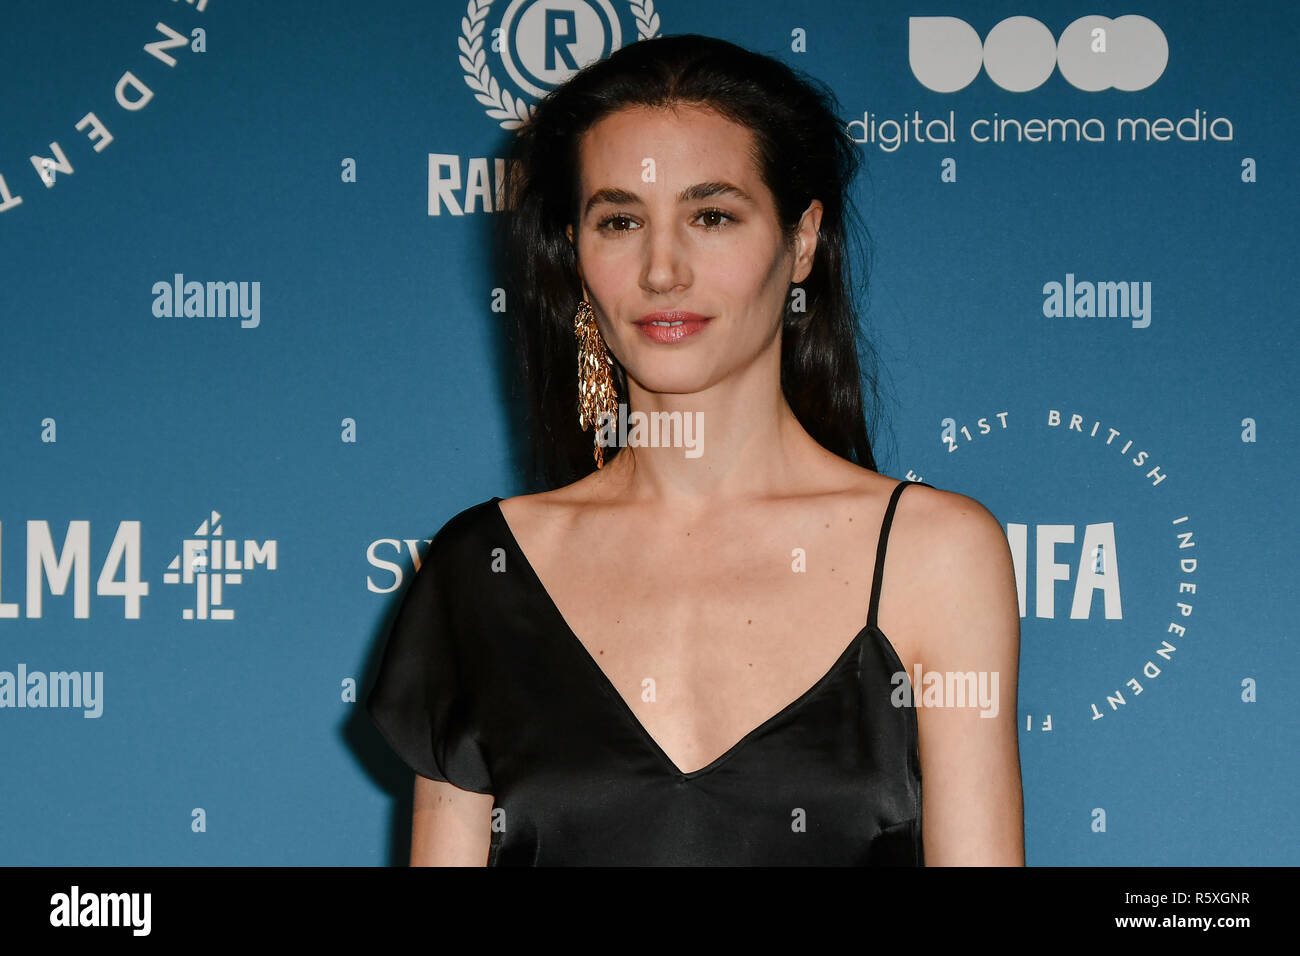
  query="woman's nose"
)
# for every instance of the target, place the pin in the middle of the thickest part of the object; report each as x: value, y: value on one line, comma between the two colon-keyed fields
x: 667, y: 262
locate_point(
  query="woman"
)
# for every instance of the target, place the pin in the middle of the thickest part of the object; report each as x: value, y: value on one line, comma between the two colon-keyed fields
x: 664, y: 659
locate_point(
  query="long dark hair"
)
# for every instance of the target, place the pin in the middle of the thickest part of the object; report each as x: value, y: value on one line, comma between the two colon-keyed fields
x: 803, y: 152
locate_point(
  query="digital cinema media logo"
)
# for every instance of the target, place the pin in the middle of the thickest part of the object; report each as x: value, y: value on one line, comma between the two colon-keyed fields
x: 1093, y: 53
x: 1105, y: 557
x: 208, y: 562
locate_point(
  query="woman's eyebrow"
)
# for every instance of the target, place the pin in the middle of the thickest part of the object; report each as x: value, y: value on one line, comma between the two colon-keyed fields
x: 622, y: 197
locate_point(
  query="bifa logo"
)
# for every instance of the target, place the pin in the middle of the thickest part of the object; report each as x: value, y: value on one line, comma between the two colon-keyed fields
x: 130, y: 93
x: 1094, y: 53
x: 1097, y: 568
x: 206, y: 561
x: 1104, y: 559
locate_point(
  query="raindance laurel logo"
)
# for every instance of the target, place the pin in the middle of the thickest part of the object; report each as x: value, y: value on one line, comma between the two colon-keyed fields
x: 208, y: 561
x: 1105, y: 557
x: 541, y: 43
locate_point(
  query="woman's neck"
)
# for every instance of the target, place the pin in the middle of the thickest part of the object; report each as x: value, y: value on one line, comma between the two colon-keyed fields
x: 738, y: 439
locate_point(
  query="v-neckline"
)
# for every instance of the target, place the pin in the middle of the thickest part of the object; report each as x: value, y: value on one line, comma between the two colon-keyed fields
x: 610, y: 690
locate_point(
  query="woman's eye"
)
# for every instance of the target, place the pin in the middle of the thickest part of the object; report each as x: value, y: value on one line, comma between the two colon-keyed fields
x: 618, y: 217
x: 714, y: 220
x: 710, y: 213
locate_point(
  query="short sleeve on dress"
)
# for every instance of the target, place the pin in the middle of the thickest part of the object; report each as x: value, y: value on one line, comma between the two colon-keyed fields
x: 423, y: 695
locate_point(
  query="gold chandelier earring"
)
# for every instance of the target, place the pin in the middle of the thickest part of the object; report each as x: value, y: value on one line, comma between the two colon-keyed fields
x: 595, y: 383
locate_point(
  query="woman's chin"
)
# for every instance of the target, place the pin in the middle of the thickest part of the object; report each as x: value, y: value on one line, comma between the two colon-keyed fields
x: 675, y: 381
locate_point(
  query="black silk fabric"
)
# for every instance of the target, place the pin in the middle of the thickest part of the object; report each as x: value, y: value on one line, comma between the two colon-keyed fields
x: 484, y: 685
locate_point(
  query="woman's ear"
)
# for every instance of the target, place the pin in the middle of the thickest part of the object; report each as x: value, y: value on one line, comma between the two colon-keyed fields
x: 568, y: 233
x: 809, y: 230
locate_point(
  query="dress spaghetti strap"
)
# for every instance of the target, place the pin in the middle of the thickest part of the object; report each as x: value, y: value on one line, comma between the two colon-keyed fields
x: 880, y: 548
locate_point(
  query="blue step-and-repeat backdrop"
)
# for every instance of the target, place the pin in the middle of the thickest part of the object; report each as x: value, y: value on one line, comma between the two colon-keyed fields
x: 250, y: 363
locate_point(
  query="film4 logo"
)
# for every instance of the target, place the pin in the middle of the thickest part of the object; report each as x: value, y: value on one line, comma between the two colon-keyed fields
x: 207, y: 561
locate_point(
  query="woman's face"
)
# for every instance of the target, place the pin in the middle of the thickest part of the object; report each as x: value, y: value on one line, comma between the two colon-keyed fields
x: 717, y: 253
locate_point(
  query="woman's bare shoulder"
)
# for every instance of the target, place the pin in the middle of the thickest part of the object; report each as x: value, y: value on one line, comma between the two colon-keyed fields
x: 924, y: 508
x: 542, y: 516
x: 542, y: 503
x: 957, y: 581
x: 948, y: 526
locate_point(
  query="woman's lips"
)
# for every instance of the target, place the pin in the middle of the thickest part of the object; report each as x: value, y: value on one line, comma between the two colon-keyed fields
x: 670, y: 327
